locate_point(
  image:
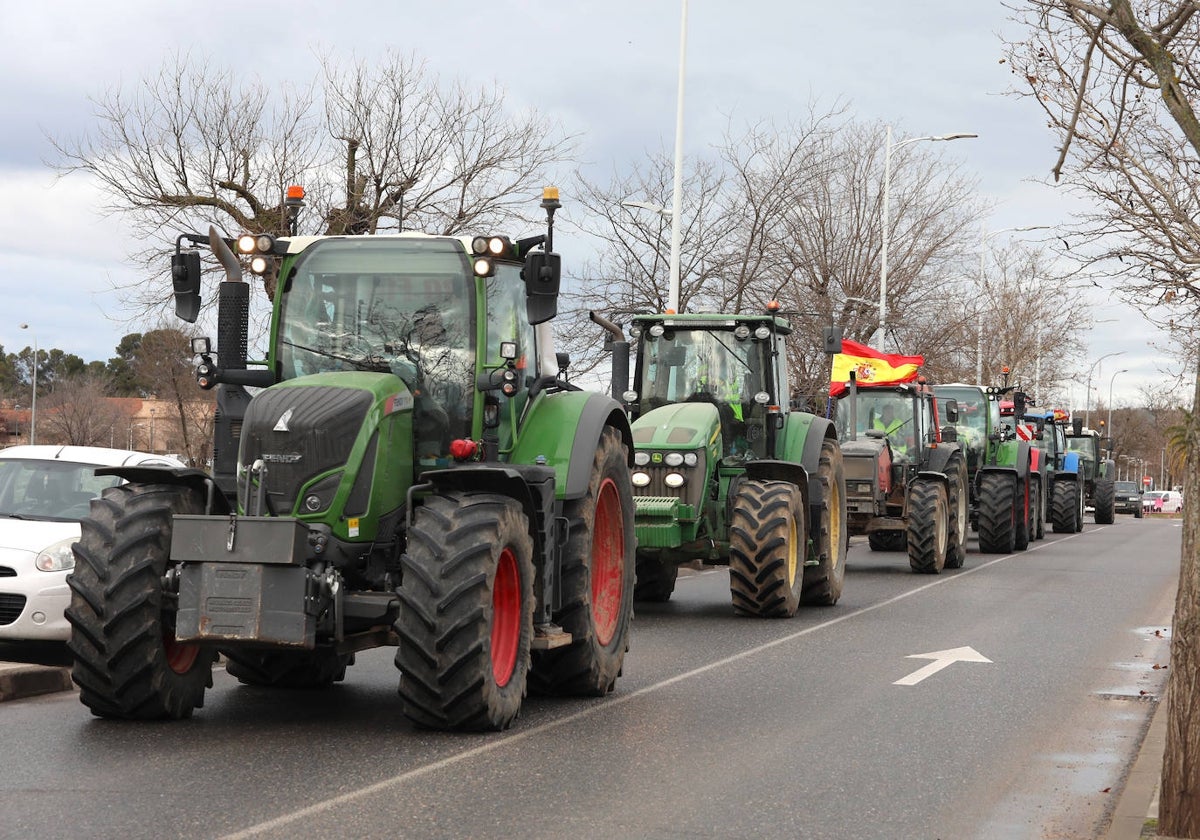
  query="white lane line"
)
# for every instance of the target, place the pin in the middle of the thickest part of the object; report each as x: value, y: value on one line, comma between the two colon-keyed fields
x: 503, y: 740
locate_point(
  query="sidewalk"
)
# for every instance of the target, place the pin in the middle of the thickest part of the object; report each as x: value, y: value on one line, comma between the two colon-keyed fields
x: 1136, y: 815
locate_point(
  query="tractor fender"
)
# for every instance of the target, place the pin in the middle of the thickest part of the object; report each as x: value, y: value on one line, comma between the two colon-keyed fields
x: 562, y: 430
x: 216, y: 501
x: 786, y: 471
x: 516, y: 482
x: 818, y: 431
x: 931, y: 475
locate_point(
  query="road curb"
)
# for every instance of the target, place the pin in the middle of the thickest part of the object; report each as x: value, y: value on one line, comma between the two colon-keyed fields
x: 1139, y: 800
x: 18, y: 681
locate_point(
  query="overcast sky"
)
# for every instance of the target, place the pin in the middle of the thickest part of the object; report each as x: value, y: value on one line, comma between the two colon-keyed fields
x: 608, y: 71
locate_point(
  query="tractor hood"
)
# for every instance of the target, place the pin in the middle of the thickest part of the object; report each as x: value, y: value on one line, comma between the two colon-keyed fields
x: 678, y: 426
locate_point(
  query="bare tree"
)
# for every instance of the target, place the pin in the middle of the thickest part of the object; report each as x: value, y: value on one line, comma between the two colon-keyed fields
x: 77, y: 413
x: 792, y: 212
x: 1116, y: 81
x: 197, y: 145
x: 163, y: 363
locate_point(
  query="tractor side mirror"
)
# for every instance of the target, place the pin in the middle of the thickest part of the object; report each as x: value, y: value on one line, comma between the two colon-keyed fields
x: 950, y: 407
x: 543, y: 275
x: 185, y: 278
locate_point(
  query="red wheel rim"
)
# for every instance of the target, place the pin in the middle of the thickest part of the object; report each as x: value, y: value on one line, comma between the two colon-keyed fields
x: 608, y: 560
x: 506, y: 617
x: 180, y: 657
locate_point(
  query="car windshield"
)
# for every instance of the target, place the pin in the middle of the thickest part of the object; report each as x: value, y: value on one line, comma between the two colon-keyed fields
x: 51, y: 490
x: 1126, y: 486
x: 1154, y: 494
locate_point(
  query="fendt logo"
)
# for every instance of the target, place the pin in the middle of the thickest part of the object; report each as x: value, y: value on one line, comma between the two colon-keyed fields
x: 281, y: 425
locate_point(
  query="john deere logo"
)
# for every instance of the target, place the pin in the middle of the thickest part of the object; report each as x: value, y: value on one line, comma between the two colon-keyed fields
x: 281, y: 425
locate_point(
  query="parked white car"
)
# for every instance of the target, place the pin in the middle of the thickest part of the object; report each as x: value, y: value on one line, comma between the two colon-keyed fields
x: 44, y: 492
x: 1172, y: 501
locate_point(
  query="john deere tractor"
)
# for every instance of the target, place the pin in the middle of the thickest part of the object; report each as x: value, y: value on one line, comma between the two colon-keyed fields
x: 406, y: 473
x: 1007, y: 480
x: 726, y: 473
x: 1096, y: 474
x: 906, y: 484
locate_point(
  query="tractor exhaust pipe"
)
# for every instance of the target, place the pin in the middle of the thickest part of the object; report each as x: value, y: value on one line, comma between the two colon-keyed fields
x: 620, y: 350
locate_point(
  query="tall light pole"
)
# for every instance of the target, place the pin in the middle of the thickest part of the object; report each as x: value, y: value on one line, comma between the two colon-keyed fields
x: 887, y: 185
x: 1110, y: 387
x: 677, y: 190
x: 33, y: 403
x: 983, y: 240
x: 1087, y: 398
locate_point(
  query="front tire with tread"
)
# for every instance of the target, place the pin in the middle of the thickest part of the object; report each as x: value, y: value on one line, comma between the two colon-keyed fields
x: 823, y: 583
x: 928, y: 526
x: 127, y: 663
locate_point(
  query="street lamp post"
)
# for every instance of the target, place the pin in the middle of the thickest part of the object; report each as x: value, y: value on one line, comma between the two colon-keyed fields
x: 33, y: 403
x: 1087, y: 398
x: 887, y: 184
x: 983, y: 240
x: 677, y: 186
x: 1110, y: 387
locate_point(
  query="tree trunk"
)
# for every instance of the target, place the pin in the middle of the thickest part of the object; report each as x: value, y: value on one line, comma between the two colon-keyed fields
x: 1179, y: 803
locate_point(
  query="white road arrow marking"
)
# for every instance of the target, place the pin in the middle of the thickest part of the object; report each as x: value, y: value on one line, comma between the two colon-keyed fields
x: 941, y: 659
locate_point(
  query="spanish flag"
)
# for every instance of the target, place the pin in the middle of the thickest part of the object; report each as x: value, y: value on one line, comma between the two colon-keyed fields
x: 870, y: 366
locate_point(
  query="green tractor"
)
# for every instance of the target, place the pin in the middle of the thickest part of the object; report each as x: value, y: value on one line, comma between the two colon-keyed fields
x: 907, y: 485
x: 1095, y: 475
x: 407, y: 473
x: 726, y: 473
x: 1008, y: 480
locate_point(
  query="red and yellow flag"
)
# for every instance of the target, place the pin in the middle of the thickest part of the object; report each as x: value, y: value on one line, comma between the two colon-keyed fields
x: 870, y: 366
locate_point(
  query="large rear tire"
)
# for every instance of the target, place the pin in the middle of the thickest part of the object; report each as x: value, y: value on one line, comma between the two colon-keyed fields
x: 823, y: 583
x: 958, y: 499
x: 1065, y: 505
x: 655, y: 577
x: 1023, y: 517
x: 127, y: 662
x: 997, y: 513
x: 286, y: 668
x: 766, y: 549
x: 598, y: 579
x: 466, y: 617
x: 928, y: 526
x: 1104, y: 501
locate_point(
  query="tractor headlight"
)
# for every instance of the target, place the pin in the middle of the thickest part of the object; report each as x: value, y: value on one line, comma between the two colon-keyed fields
x: 762, y: 333
x: 673, y: 459
x: 641, y: 459
x: 630, y: 396
x: 690, y: 459
x: 657, y: 330
x: 247, y: 243
x: 640, y: 479
x: 742, y: 332
x: 674, y: 480
x: 259, y: 265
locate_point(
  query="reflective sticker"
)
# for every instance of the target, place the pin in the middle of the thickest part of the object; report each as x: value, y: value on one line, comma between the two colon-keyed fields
x: 352, y: 526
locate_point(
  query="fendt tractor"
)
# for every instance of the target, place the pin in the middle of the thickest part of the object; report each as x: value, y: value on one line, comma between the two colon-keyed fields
x: 725, y: 471
x: 405, y: 474
x: 906, y: 484
x: 1096, y: 484
x: 1008, y: 485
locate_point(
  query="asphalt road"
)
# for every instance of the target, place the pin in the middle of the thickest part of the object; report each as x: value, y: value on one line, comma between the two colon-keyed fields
x: 720, y: 727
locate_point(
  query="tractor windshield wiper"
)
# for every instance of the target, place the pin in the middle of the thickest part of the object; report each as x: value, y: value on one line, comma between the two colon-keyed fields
x: 375, y: 364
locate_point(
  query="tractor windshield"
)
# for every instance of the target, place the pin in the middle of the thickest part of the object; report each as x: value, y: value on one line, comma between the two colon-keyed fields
x: 710, y: 365
x: 886, y: 411
x: 389, y: 304
x: 972, y: 424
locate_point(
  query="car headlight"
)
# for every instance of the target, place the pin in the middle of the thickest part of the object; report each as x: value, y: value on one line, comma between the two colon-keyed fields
x: 640, y: 479
x: 674, y: 480
x: 56, y: 558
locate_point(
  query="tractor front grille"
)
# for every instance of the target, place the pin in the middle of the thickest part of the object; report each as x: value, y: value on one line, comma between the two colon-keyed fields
x: 298, y: 433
